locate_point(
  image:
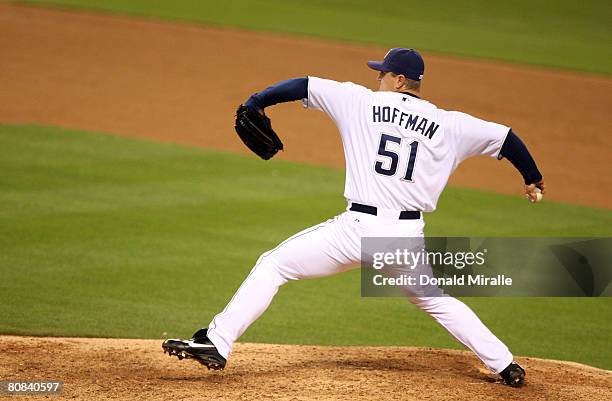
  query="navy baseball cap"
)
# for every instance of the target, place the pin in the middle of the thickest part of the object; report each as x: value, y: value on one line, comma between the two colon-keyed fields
x: 407, y: 62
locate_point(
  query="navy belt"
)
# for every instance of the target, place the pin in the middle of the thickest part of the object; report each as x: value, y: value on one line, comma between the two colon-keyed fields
x: 404, y: 215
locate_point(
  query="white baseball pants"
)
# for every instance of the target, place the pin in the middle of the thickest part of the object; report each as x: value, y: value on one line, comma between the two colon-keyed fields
x: 333, y: 247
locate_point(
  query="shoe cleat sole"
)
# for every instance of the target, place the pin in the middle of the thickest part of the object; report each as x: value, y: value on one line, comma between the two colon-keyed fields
x: 181, y: 354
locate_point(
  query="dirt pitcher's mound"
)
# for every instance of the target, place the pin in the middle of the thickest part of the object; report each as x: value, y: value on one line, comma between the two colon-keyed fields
x: 94, y: 369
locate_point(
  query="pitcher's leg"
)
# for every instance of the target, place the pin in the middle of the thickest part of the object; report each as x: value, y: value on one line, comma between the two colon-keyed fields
x: 318, y: 251
x: 463, y: 324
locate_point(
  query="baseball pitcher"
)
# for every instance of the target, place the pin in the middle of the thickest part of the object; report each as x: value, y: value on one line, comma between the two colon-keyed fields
x: 400, y: 151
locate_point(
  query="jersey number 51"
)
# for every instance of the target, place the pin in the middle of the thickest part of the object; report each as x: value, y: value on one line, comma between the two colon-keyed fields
x: 394, y: 157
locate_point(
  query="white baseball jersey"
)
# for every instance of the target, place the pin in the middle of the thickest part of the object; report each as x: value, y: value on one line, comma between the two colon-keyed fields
x: 400, y: 150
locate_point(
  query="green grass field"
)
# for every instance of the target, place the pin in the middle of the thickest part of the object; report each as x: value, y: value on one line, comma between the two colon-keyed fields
x: 108, y: 236
x: 564, y: 33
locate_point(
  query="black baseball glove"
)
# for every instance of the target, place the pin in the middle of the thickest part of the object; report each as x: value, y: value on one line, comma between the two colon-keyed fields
x: 255, y: 130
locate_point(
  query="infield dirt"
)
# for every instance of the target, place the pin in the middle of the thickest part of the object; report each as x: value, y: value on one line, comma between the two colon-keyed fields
x: 182, y: 83
x: 96, y: 369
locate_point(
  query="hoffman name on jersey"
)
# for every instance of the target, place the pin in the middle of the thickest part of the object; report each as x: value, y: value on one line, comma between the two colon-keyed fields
x: 384, y: 114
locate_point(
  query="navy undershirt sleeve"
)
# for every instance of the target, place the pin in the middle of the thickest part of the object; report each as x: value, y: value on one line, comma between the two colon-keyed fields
x: 516, y: 152
x: 284, y: 91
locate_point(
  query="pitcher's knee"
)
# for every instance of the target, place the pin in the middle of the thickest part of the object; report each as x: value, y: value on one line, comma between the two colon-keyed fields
x: 428, y: 302
x: 268, y: 264
x: 420, y: 300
